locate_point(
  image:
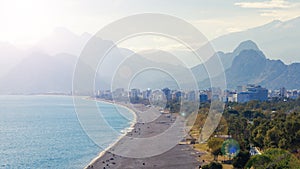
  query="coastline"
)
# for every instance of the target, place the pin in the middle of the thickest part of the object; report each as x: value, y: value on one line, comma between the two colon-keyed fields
x: 126, y: 130
x: 189, y: 157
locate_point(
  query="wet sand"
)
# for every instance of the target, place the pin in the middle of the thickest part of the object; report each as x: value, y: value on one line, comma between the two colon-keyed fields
x: 180, y: 156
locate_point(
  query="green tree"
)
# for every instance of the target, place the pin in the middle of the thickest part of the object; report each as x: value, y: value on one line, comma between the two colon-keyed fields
x: 215, y: 144
x: 213, y: 165
x: 272, y: 137
x: 274, y: 158
x: 258, y: 135
x: 216, y: 152
x: 241, y: 159
x: 258, y: 161
x: 248, y: 114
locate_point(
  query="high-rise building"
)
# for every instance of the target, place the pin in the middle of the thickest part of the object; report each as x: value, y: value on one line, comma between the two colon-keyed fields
x: 253, y: 93
x: 283, y: 92
x: 134, y: 95
x: 177, y: 96
x: 146, y: 94
x: 243, y: 97
x: 167, y: 93
x: 203, y: 98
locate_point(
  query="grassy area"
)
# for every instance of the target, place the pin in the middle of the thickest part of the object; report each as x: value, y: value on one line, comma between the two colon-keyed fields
x: 227, y: 166
x: 201, y: 147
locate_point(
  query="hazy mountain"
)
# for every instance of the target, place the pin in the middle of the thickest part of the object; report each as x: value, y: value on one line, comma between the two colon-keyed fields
x: 40, y: 73
x: 153, y: 69
x: 225, y: 58
x: 289, y: 78
x: 246, y: 67
x: 44, y: 73
x: 9, y: 57
x: 51, y: 69
x: 47, y: 66
x: 62, y: 40
x: 252, y: 67
x: 278, y: 40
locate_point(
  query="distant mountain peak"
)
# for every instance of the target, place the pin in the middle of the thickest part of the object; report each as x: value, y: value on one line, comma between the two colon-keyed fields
x: 246, y: 45
x: 272, y: 38
x: 62, y: 30
x: 248, y: 57
x: 251, y: 52
x: 274, y: 22
x: 62, y: 40
x: 269, y: 26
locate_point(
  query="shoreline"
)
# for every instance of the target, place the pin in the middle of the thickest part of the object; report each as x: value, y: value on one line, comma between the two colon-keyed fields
x: 126, y: 130
x: 167, y: 160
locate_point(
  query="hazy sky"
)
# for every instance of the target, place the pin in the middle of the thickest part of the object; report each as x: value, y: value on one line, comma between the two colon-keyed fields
x: 26, y: 21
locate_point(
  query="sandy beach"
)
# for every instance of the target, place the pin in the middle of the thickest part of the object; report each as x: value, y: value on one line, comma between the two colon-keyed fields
x: 179, y: 156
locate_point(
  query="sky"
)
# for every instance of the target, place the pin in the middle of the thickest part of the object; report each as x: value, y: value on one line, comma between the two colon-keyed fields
x: 25, y: 22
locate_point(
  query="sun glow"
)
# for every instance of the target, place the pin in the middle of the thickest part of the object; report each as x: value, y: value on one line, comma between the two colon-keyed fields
x: 23, y: 22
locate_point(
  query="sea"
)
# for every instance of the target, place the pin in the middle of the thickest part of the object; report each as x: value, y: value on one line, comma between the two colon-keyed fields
x: 44, y: 132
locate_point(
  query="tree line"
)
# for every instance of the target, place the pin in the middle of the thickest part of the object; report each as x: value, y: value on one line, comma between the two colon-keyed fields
x: 272, y: 126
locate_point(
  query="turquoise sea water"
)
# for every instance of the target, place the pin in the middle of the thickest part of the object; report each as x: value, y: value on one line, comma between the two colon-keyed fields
x: 44, y: 132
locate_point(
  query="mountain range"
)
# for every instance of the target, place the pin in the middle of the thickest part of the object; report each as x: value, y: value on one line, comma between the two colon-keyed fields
x: 278, y: 40
x: 250, y: 66
x: 49, y: 66
x: 247, y: 64
x: 40, y: 73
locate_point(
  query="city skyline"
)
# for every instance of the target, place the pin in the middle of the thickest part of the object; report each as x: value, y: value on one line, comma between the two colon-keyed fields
x: 240, y: 94
x: 149, y: 84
